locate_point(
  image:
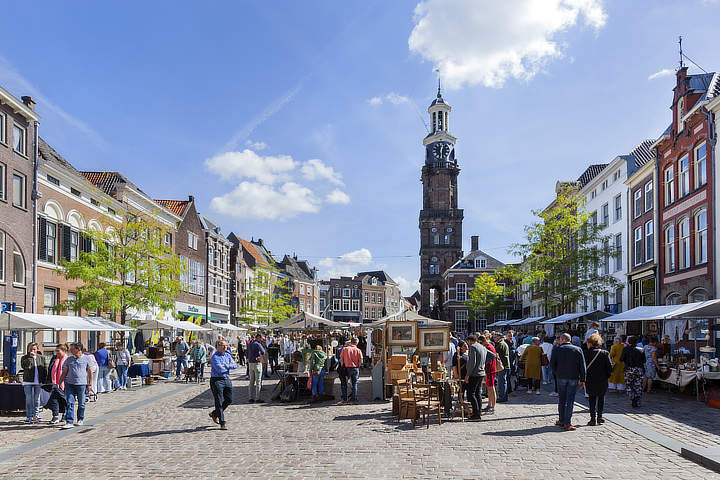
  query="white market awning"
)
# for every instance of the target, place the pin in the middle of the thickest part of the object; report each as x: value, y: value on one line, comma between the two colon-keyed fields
x: 225, y: 326
x: 305, y: 320
x: 109, y: 324
x: 568, y: 317
x: 526, y: 321
x: 706, y: 309
x: 41, y: 321
x: 166, y: 323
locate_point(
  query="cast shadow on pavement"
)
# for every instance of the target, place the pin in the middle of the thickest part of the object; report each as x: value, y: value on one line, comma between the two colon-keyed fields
x: 166, y: 432
x: 524, y: 432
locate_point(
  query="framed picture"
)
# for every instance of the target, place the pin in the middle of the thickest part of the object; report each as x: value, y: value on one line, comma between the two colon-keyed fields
x: 434, y: 339
x: 401, y: 333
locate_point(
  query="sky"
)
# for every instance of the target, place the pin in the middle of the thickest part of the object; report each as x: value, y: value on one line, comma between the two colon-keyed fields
x: 301, y: 123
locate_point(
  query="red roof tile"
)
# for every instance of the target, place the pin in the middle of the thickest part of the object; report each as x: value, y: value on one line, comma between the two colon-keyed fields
x: 259, y: 259
x: 175, y: 206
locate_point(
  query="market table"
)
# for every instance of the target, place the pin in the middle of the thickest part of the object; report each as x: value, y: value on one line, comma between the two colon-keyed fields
x: 12, y: 396
x: 683, y: 378
x: 139, y: 370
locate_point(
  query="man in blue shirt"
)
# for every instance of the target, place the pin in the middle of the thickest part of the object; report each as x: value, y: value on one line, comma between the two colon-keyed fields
x: 220, y: 365
x: 255, y: 353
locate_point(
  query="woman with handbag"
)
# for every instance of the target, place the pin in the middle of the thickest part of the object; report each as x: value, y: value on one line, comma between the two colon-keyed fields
x: 598, y: 370
x: 533, y: 363
x: 490, y: 374
x: 122, y: 363
x: 634, y: 361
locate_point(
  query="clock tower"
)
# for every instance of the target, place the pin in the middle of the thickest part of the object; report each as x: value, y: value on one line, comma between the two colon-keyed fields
x: 440, y: 218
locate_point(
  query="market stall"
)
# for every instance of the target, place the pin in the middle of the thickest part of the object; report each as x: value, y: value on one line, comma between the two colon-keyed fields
x: 524, y: 324
x: 159, y: 359
x: 574, y: 323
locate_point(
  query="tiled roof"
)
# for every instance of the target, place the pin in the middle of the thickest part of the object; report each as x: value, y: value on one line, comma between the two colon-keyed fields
x: 291, y: 267
x: 175, y: 206
x: 591, y: 172
x: 380, y: 274
x: 108, y: 182
x: 468, y: 261
x: 714, y: 88
x: 642, y: 153
x: 48, y: 153
x: 250, y: 248
x: 700, y: 82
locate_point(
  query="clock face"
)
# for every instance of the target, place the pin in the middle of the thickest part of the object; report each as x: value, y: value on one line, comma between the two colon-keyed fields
x: 441, y: 150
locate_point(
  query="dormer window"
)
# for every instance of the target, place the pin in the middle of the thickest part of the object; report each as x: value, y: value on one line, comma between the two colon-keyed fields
x: 480, y: 263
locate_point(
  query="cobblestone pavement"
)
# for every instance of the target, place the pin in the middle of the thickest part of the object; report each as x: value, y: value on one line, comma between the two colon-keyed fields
x: 173, y: 437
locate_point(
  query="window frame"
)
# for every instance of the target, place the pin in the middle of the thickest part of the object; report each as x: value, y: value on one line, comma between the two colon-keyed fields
x: 648, y: 196
x: 670, y: 255
x: 3, y: 181
x: 701, y: 238
x: 618, y: 207
x: 669, y: 176
x: 637, y: 246
x: 637, y: 203
x: 3, y: 268
x: 3, y: 128
x: 605, y: 212
x: 22, y: 129
x: 697, y: 166
x: 649, y: 240
x: 23, y: 189
x: 684, y: 244
x: 618, y: 252
x: 461, y: 292
x: 684, y: 176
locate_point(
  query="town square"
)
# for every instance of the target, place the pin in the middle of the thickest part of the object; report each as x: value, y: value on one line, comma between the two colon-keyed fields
x: 422, y: 239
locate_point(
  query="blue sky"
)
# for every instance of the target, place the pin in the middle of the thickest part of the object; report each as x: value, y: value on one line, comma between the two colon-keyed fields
x: 300, y: 122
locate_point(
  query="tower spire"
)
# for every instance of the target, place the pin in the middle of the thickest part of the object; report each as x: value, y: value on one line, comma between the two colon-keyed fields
x: 439, y: 95
x: 681, y: 52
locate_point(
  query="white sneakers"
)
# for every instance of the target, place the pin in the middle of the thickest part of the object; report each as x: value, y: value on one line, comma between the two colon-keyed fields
x: 67, y: 426
x: 79, y: 423
x: 554, y: 394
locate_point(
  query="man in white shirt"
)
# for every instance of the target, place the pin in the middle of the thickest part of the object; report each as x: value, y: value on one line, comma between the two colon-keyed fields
x: 593, y: 329
x: 547, y: 346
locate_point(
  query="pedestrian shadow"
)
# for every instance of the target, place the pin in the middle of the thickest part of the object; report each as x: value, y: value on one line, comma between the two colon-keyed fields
x: 205, y: 399
x: 165, y: 432
x: 523, y: 432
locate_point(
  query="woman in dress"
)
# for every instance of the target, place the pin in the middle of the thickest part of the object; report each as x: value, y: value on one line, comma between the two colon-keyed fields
x: 617, y: 378
x: 634, y: 361
x: 490, y: 375
x: 651, y: 362
x: 533, y: 363
x: 598, y: 370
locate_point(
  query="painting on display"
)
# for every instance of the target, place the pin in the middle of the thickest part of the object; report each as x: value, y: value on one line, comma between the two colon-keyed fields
x: 401, y: 333
x: 434, y: 339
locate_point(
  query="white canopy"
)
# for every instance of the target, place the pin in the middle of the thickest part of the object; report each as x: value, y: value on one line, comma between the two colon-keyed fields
x: 409, y: 316
x: 572, y: 316
x: 305, y: 320
x: 526, y: 321
x: 40, y: 321
x: 709, y: 308
x: 159, y: 324
x: 226, y: 326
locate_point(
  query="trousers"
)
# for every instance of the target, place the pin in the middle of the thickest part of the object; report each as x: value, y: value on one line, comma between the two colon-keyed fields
x: 597, y: 404
x: 32, y: 401
x: 221, y: 389
x: 255, y: 370
x: 474, y: 394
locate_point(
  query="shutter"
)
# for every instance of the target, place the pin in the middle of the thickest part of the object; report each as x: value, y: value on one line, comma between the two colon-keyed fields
x: 66, y: 241
x: 42, y: 239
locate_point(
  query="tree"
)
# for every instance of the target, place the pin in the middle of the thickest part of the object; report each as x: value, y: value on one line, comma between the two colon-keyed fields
x: 267, y: 297
x: 486, y: 297
x: 126, y: 269
x: 564, y: 251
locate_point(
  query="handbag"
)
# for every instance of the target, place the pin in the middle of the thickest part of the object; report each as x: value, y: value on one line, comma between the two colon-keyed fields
x: 544, y: 360
x: 111, y: 362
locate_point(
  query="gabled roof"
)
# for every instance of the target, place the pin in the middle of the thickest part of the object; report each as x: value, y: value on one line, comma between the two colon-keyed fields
x: 643, y: 153
x: 48, y: 153
x: 591, y: 172
x: 380, y: 274
x: 175, y: 206
x: 468, y: 261
x: 108, y: 182
x: 292, y: 268
x: 250, y: 248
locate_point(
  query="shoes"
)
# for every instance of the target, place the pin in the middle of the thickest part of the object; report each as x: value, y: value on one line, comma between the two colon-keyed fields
x: 600, y: 420
x: 79, y: 423
x: 214, y: 418
x: 554, y: 394
x: 67, y: 426
x: 259, y: 400
x: 54, y: 421
x: 28, y: 421
x: 474, y: 418
x: 342, y: 402
x: 223, y: 427
x: 559, y: 423
x: 489, y: 411
x: 569, y: 428
x: 592, y: 422
x: 36, y: 420
x: 537, y: 392
x: 529, y: 390
x: 251, y: 401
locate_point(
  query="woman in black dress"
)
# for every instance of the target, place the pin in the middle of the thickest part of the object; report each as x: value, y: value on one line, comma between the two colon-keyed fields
x: 598, y: 371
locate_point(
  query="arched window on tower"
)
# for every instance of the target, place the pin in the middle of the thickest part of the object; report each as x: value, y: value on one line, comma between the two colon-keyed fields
x: 434, y: 120
x: 440, y: 121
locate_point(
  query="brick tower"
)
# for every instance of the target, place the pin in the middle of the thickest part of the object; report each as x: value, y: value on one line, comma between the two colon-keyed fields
x: 440, y: 218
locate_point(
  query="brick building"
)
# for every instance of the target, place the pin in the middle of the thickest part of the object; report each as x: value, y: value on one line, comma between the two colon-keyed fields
x: 217, y: 283
x: 344, y: 299
x: 302, y: 284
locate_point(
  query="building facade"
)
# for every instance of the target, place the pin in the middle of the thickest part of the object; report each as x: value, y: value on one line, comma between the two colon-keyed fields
x: 440, y: 219
x: 219, y: 275
x: 302, y: 284
x: 345, y: 297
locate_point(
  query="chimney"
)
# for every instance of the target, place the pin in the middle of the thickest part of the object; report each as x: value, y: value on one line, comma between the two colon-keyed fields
x: 191, y: 198
x: 474, y: 243
x: 28, y: 101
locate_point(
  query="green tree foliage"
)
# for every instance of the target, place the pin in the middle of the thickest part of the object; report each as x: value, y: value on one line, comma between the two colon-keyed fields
x: 127, y: 269
x: 566, y: 255
x: 267, y: 297
x: 486, y: 297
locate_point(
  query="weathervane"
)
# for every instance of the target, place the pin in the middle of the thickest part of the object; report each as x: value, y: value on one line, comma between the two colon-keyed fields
x: 437, y: 70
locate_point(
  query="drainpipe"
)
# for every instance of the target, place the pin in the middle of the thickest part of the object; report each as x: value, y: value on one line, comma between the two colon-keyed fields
x: 35, y: 197
x: 659, y: 229
x: 207, y: 277
x: 712, y: 140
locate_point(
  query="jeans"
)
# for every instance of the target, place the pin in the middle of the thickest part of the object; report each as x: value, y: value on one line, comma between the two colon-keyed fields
x: 200, y: 369
x: 534, y: 383
x: 567, y: 388
x: 474, y: 387
x: 547, y: 374
x: 318, y: 383
x: 502, y: 385
x: 54, y: 401
x: 343, y: 386
x: 274, y: 363
x: 104, y: 379
x: 354, y: 374
x: 597, y: 404
x: 181, y: 361
x: 72, y: 391
x: 122, y: 374
x: 32, y: 401
x: 255, y: 380
x: 222, y: 393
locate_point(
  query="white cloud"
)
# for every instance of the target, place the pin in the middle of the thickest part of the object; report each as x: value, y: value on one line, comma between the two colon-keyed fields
x: 257, y: 146
x: 347, y: 264
x: 248, y: 164
x: 473, y: 42
x: 392, y: 97
x: 315, y: 169
x: 407, y: 287
x: 260, y: 201
x: 665, y: 72
x: 337, y: 196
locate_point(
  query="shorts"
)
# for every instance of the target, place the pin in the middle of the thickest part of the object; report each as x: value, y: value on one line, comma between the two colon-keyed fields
x: 490, y: 380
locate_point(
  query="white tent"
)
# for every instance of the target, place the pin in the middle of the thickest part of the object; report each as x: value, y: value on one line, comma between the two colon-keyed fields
x: 225, y: 326
x: 408, y: 316
x: 109, y: 324
x: 573, y: 316
x: 166, y: 323
x: 305, y: 320
x: 526, y: 321
x: 40, y: 321
x: 706, y: 309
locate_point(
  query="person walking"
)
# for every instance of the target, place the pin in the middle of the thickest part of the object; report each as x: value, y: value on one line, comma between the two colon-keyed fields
x: 255, y: 355
x: 512, y: 355
x: 533, y: 365
x: 78, y: 377
x: 651, y: 363
x: 352, y: 359
x: 220, y: 385
x: 503, y: 376
x: 598, y: 370
x: 57, y: 394
x: 477, y: 355
x: 122, y: 363
x: 617, y: 378
x: 490, y: 373
x: 547, y: 346
x: 181, y: 351
x: 241, y: 350
x: 198, y: 355
x: 568, y: 365
x: 634, y: 361
x: 35, y: 375
x: 102, y: 357
x: 317, y: 368
x: 273, y: 352
x: 342, y: 373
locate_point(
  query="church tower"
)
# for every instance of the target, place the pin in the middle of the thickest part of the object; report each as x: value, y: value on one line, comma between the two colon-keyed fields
x: 440, y: 217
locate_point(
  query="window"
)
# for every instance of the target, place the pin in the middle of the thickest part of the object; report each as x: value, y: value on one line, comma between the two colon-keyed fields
x: 74, y: 245
x: 649, y: 241
x: 337, y: 304
x: 367, y: 297
x: 648, y: 196
x: 346, y: 292
x: 19, y: 139
x: 637, y: 252
x: 434, y: 270
x: 380, y: 298
x: 373, y: 297
x: 355, y: 305
x: 53, y: 180
x: 701, y: 246
x: 606, y: 259
x: 669, y: 186
x: 606, y: 215
x: 460, y: 292
x: 618, y: 207
x: 3, y: 127
x: 336, y: 291
x: 302, y: 289
x: 604, y: 185
x: 436, y: 239
x: 700, y: 166
x: 679, y: 114
x: 447, y: 239
x: 301, y: 308
x: 593, y: 218
x: 167, y: 238
x: 48, y: 240
x: 346, y: 305
x: 618, y: 299
x: 2, y: 256
x: 19, y: 190
x: 94, y: 202
x: 461, y: 320
x: 637, y: 203
x: 684, y: 172
x: 2, y: 182
x: 49, y: 300
x: 618, y: 252
x: 192, y: 241
x: 111, y: 211
x: 670, y: 249
x: 673, y: 299
x: 480, y: 263
x: 685, y: 243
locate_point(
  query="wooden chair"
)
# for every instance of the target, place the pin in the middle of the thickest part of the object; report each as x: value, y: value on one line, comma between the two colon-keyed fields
x: 406, y: 401
x: 427, y: 399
